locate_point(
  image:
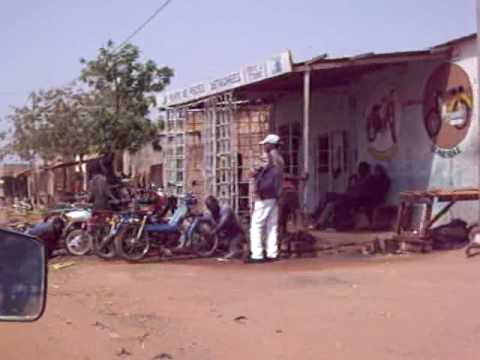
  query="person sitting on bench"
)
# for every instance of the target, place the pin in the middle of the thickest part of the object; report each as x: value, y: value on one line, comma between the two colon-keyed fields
x: 337, y: 206
x: 380, y: 187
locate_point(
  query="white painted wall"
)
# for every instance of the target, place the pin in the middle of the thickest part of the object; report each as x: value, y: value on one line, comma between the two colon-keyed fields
x: 141, y: 161
x: 416, y: 166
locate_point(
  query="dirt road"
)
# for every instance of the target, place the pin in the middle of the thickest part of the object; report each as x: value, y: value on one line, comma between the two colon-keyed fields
x: 324, y: 308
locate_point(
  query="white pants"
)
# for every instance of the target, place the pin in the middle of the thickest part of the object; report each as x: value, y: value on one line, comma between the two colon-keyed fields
x: 264, y: 225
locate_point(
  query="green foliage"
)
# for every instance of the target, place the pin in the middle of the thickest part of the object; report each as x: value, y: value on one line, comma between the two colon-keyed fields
x: 55, y: 122
x: 110, y: 113
x: 127, y: 87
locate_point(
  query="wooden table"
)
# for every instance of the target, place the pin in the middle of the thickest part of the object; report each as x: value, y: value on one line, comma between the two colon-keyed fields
x: 410, y: 198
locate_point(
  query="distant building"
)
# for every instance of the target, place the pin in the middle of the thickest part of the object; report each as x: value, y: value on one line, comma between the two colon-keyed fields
x: 9, y: 186
x: 12, y: 169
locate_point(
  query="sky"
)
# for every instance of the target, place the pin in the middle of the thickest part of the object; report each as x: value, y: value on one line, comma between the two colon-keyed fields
x: 42, y: 41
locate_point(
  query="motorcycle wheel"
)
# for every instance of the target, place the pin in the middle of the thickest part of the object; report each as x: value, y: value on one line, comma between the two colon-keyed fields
x: 200, y: 242
x: 104, y: 248
x: 128, y: 247
x: 78, y: 242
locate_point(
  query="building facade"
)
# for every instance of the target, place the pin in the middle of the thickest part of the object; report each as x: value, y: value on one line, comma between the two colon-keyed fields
x: 413, y: 112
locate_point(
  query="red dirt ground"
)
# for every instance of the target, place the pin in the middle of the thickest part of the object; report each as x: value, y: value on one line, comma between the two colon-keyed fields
x: 380, y: 308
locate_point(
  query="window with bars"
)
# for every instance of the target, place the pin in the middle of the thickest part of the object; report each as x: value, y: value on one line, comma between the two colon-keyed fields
x: 334, y: 147
x: 291, y: 139
x: 323, y: 154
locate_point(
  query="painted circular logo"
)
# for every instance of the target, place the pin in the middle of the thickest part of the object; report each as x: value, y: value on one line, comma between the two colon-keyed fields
x: 447, y: 106
x: 383, y: 124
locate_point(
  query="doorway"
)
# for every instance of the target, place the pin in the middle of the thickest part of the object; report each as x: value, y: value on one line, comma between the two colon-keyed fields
x: 334, y: 161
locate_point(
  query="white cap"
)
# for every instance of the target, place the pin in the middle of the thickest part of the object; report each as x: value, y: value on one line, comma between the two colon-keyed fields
x: 271, y: 139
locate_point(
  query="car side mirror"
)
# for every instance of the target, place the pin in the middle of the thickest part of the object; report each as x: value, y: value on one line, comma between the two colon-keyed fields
x: 23, y: 277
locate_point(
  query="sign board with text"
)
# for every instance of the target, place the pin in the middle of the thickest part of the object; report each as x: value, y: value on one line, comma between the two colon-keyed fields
x: 273, y: 67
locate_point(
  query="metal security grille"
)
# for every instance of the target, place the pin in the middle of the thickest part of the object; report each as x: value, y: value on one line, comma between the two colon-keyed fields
x: 232, y: 132
x: 194, y: 167
x: 210, y: 150
x: 175, y: 151
x: 251, y: 127
x: 219, y: 149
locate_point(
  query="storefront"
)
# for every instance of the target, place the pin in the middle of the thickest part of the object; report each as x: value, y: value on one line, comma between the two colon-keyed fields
x: 412, y: 112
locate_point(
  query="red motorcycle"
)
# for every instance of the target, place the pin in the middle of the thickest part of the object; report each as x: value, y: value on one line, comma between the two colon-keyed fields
x: 105, y: 226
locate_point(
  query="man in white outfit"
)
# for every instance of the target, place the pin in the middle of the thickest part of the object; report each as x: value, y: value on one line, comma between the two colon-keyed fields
x: 264, y: 224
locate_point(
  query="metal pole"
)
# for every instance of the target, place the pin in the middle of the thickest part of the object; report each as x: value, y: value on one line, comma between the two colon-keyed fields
x: 306, y: 130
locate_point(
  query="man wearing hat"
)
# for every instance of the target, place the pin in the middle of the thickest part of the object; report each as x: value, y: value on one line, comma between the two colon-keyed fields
x: 268, y: 185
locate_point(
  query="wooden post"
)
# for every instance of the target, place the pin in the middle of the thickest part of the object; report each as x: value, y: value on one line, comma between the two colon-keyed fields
x: 306, y: 131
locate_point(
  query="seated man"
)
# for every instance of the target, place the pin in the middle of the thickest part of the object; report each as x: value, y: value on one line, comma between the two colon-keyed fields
x: 337, y: 206
x: 379, y: 191
x: 227, y: 227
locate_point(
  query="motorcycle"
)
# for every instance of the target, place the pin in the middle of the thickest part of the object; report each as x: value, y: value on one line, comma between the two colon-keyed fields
x: 186, y: 231
x: 77, y: 240
x: 152, y: 201
x: 22, y: 206
x: 104, y: 224
x: 102, y: 227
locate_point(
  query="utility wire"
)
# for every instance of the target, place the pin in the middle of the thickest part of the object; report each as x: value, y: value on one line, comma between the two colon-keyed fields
x: 144, y: 24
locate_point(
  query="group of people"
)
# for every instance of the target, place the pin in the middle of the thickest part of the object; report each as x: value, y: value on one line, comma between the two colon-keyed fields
x: 269, y: 180
x: 271, y: 208
x: 276, y: 198
x: 366, y: 190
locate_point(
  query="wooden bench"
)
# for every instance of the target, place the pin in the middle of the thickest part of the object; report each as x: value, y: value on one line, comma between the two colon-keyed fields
x: 428, y: 198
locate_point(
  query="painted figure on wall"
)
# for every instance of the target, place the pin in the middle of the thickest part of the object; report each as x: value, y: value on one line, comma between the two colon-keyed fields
x: 448, y: 105
x: 382, y: 125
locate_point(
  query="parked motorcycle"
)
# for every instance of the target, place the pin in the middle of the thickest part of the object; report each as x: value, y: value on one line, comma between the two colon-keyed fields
x: 77, y: 240
x: 145, y: 202
x: 23, y: 206
x: 186, y: 231
x: 103, y: 227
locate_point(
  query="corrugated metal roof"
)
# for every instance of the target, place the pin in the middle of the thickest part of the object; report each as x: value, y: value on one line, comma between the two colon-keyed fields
x: 370, y: 59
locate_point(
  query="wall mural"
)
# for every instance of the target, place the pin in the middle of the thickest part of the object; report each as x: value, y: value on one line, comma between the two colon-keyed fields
x: 383, y: 124
x: 447, y: 109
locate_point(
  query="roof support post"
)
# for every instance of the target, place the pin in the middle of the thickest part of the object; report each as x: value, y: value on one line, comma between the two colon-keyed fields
x: 306, y: 130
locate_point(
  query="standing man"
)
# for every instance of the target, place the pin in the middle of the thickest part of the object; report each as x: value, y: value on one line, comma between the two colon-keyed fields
x: 289, y: 202
x: 100, y: 193
x: 268, y: 185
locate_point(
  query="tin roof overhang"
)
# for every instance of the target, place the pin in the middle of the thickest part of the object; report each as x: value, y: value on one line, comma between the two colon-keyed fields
x: 341, y: 71
x: 374, y: 59
x: 338, y: 71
